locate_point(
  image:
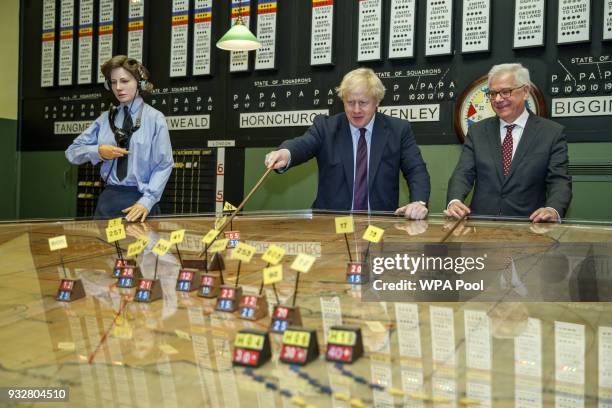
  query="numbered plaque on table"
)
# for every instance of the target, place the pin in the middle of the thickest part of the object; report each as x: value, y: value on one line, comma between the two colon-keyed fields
x: 344, y: 344
x: 128, y: 277
x: 122, y: 263
x: 283, y: 317
x: 253, y: 307
x: 210, y: 285
x: 251, y: 348
x: 300, y: 346
x: 356, y: 273
x: 148, y: 291
x: 228, y: 298
x: 188, y: 280
x: 70, y: 290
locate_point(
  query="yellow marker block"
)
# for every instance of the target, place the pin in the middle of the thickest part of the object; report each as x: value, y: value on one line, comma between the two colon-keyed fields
x: 168, y: 349
x: 419, y: 396
x: 114, y: 222
x: 144, y: 239
x: 355, y: 402
x: 220, y: 221
x: 229, y: 207
x: 218, y: 246
x: 469, y: 401
x: 341, y: 396
x: 303, y: 263
x: 342, y: 337
x: 249, y: 341
x: 273, y: 255
x: 376, y: 327
x: 373, y: 234
x: 272, y: 274
x: 137, y: 247
x: 296, y: 338
x: 59, y: 242
x: 243, y: 252
x: 440, y: 400
x: 210, y: 236
x: 116, y: 233
x: 66, y: 346
x: 161, y: 247
x: 299, y: 401
x: 176, y: 237
x: 123, y: 332
x: 396, y: 392
x: 182, y: 335
x: 345, y: 225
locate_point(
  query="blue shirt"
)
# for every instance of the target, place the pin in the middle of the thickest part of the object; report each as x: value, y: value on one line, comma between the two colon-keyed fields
x: 150, y: 160
x: 368, y: 137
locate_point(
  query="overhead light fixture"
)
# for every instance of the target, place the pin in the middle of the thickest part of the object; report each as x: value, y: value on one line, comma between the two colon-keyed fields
x: 239, y: 37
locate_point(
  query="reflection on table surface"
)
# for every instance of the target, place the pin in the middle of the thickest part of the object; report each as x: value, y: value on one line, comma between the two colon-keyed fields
x: 177, y: 351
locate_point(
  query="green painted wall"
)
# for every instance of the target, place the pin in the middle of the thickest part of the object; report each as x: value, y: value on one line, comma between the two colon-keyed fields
x: 8, y: 169
x: 9, y: 49
x: 296, y: 189
x: 48, y: 186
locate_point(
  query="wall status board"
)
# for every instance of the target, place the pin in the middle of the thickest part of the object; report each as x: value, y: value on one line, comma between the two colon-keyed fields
x: 430, y: 55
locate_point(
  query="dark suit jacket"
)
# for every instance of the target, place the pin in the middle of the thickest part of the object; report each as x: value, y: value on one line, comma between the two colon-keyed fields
x: 538, y: 174
x: 392, y: 149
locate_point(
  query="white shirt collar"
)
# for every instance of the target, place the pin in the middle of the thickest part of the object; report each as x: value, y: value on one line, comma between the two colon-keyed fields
x: 368, y: 127
x: 521, y: 121
x: 133, y: 107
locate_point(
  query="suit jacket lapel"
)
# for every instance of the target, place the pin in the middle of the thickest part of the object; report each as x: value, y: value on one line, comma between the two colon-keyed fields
x: 377, y: 147
x: 345, y: 149
x: 495, y: 146
x: 527, y: 139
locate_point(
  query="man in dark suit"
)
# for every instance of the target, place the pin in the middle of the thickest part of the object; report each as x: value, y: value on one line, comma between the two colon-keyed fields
x: 516, y: 161
x: 360, y: 153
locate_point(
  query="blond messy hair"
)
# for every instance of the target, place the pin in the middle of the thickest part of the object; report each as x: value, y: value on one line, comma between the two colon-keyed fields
x: 361, y: 81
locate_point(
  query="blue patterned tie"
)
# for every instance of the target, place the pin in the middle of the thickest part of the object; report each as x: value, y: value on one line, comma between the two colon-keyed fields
x: 360, y: 191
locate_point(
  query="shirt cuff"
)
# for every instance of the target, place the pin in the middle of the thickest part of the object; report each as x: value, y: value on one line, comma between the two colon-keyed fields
x: 147, y: 202
x: 452, y: 201
x: 284, y: 169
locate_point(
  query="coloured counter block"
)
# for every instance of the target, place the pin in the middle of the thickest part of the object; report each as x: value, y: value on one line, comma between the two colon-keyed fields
x: 344, y: 344
x: 128, y: 277
x: 300, y: 346
x: 120, y: 264
x: 70, y: 290
x: 234, y: 238
x: 188, y: 280
x: 354, y: 273
x: 210, y: 285
x: 228, y: 299
x: 253, y: 307
x: 148, y: 291
x: 251, y: 348
x: 283, y: 317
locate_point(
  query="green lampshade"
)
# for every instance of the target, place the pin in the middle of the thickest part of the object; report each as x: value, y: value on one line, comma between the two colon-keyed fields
x: 239, y: 38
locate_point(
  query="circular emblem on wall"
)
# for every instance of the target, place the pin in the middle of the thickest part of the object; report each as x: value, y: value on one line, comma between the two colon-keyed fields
x: 473, y: 105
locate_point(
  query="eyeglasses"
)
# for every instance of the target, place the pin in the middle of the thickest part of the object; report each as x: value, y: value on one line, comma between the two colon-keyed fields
x: 505, y: 93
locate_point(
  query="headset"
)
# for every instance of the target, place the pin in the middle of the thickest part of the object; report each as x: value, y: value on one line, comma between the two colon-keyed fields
x: 121, y: 136
x: 142, y: 80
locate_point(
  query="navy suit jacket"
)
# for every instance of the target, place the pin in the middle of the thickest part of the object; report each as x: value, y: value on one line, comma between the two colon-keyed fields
x: 392, y: 149
x: 538, y: 174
